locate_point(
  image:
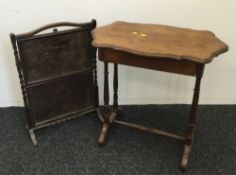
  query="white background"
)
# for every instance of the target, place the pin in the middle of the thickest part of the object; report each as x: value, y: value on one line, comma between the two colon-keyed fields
x: 136, y: 86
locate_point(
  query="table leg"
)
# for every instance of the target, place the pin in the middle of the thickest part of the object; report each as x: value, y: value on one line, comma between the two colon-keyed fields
x: 192, y: 119
x: 115, y: 94
x: 105, y: 124
x: 115, y: 86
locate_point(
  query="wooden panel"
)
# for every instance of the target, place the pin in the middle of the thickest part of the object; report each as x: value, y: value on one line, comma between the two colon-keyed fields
x: 55, y: 98
x: 183, y: 67
x: 50, y: 56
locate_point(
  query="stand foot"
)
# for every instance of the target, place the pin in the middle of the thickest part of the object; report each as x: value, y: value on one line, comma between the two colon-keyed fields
x: 103, y: 133
x: 185, y: 157
x: 32, y: 136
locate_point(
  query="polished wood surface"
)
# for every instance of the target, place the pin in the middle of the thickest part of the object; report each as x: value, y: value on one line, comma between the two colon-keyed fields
x: 159, y: 41
x: 161, y: 48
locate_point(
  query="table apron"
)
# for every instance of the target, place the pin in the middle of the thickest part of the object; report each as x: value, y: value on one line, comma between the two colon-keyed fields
x: 183, y: 67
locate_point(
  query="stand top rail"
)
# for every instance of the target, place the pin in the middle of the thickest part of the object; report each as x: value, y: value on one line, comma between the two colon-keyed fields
x: 32, y: 33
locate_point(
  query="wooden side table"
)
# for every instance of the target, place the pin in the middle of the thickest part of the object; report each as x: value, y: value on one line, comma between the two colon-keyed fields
x: 164, y: 48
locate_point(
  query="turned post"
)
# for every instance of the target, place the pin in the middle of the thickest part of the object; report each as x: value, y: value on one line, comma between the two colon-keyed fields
x: 115, y: 87
x: 193, y: 112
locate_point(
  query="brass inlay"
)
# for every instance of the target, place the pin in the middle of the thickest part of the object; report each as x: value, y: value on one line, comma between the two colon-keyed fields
x: 143, y: 34
x: 139, y: 34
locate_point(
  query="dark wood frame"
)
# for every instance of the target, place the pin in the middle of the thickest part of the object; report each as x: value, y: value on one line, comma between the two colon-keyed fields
x: 182, y: 67
x: 26, y: 85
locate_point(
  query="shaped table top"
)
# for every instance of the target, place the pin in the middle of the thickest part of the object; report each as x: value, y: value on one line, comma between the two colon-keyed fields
x: 159, y: 41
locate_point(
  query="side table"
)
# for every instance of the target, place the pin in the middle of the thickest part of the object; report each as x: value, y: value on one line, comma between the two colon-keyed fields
x: 157, y: 47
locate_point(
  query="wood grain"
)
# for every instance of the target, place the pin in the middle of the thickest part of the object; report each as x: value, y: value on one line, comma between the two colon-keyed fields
x: 159, y: 41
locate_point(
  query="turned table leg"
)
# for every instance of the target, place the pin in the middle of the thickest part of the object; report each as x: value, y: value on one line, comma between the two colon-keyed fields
x: 115, y: 87
x: 192, y: 119
x: 105, y: 124
x: 115, y: 109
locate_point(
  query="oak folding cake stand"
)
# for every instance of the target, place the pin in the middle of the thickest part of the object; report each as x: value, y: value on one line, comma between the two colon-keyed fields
x: 158, y: 47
